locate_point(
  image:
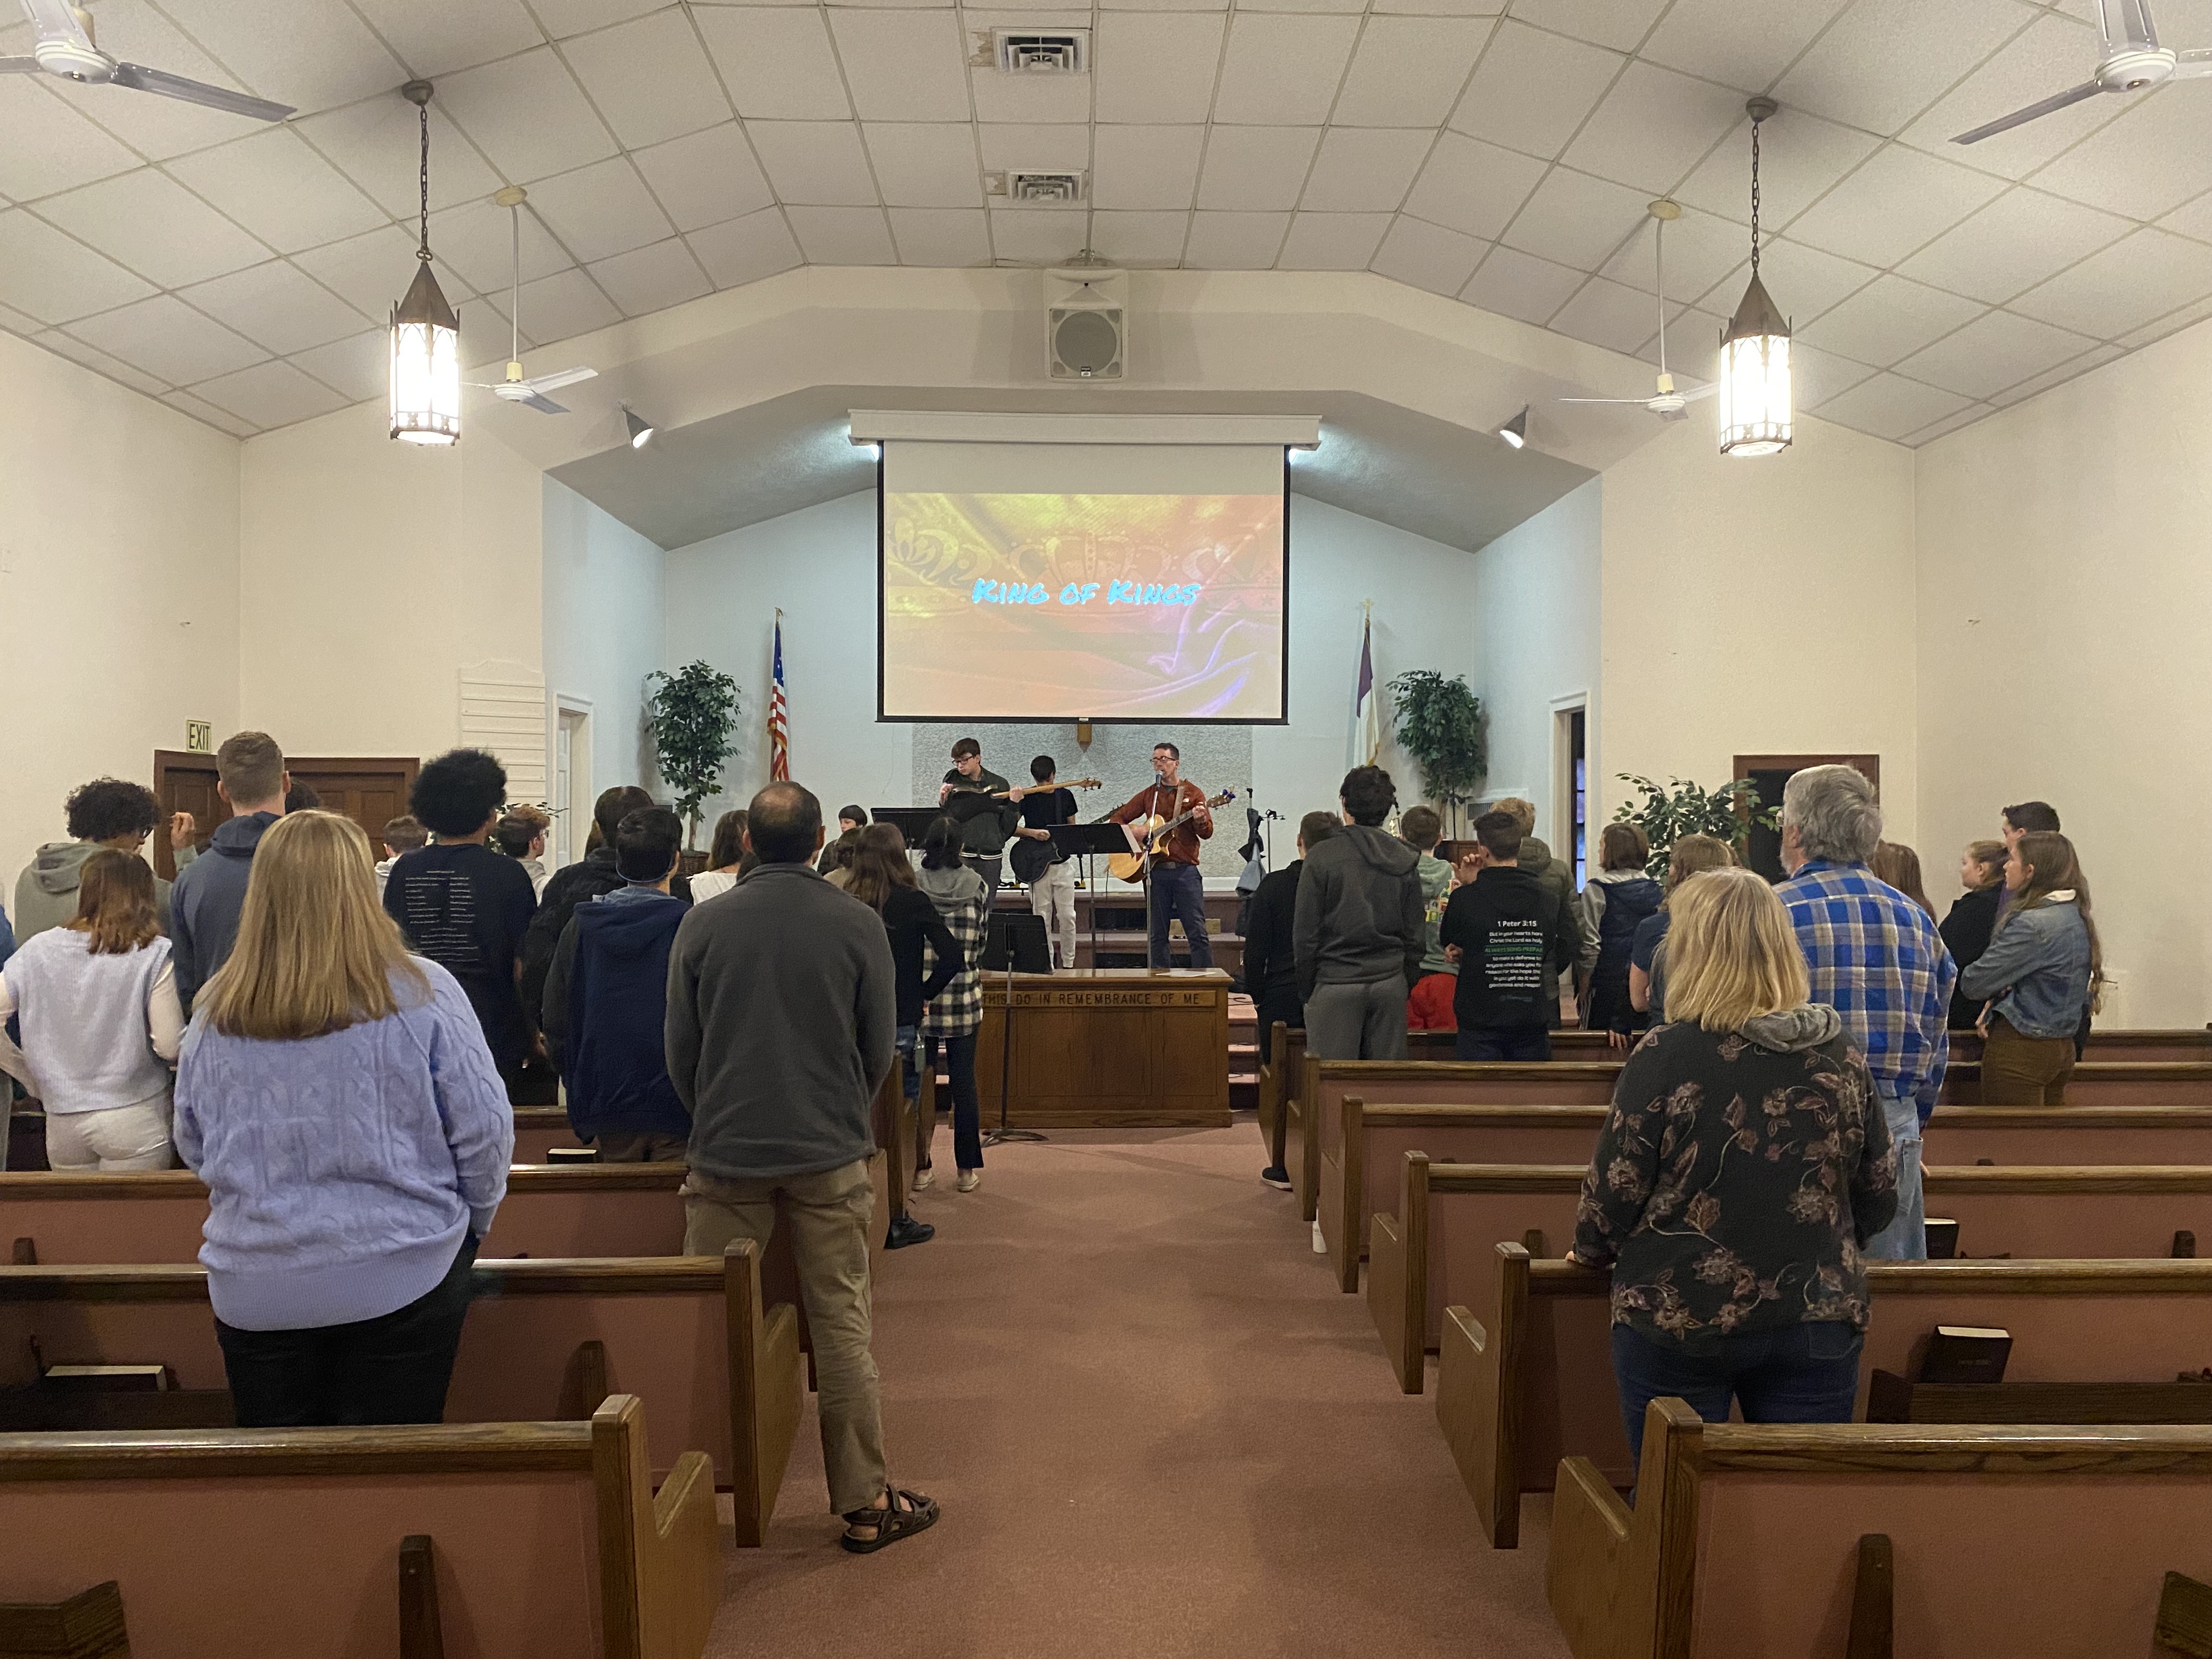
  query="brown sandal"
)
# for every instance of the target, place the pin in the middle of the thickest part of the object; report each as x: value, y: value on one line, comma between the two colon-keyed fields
x: 919, y: 1515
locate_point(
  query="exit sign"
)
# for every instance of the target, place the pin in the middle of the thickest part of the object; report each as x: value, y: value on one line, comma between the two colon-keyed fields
x: 199, y: 737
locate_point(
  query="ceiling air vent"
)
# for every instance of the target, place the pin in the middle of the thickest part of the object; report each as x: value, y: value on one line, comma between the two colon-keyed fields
x: 1041, y: 51
x: 1044, y: 186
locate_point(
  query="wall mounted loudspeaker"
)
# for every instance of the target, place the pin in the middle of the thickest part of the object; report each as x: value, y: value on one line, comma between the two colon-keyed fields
x: 1086, y: 322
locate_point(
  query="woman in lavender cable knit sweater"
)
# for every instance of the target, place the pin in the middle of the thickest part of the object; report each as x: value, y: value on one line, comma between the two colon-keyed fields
x: 337, y: 1096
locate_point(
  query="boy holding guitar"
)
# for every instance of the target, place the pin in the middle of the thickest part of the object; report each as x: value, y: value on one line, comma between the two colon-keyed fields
x: 1175, y: 887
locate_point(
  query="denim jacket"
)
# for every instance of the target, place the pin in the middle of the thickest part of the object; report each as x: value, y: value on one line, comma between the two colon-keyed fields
x: 2036, y: 968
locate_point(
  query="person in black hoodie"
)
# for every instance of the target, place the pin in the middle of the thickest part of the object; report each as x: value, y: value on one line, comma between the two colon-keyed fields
x: 606, y: 1002
x: 1271, y: 963
x: 985, y: 805
x: 1361, y: 930
x: 206, y: 899
x: 1512, y: 938
x: 573, y: 885
x: 1971, y: 921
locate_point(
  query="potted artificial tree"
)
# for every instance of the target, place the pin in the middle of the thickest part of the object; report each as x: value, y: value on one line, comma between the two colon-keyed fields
x: 694, y: 714
x: 1439, y: 723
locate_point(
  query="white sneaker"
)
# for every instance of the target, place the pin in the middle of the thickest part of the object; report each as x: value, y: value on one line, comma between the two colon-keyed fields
x: 970, y: 1181
x: 923, y: 1180
x: 1320, y: 1244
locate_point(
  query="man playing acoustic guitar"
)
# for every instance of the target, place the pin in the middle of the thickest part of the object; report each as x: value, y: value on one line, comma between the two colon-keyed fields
x: 1175, y: 887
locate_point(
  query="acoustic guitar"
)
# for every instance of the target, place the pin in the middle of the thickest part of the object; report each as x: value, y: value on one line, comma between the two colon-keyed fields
x: 1153, y: 838
x: 1028, y: 857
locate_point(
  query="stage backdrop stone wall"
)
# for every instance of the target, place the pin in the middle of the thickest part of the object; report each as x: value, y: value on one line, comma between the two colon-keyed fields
x: 1217, y: 757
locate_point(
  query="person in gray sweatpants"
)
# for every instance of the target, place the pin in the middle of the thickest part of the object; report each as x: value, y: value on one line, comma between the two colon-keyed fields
x: 1361, y: 929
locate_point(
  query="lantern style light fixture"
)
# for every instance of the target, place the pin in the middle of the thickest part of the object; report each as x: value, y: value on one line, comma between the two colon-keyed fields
x: 426, y: 335
x: 1756, y: 407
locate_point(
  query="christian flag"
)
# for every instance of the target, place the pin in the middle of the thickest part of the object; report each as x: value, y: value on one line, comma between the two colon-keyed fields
x: 1366, y: 705
x: 779, y: 716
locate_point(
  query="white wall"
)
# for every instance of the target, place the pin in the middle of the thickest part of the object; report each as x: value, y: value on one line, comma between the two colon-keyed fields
x: 2065, y: 624
x: 603, y: 631
x: 118, y: 587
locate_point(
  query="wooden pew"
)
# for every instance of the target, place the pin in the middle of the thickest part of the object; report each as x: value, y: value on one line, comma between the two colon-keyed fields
x: 1358, y: 1178
x: 691, y: 1336
x: 1272, y: 1092
x: 538, y: 1130
x: 547, y: 1539
x: 1533, y: 1382
x: 2031, y: 1543
x: 1437, y: 1250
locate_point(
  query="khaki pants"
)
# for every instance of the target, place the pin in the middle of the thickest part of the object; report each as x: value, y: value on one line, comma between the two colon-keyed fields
x: 2024, y: 1071
x: 1052, y: 896
x: 829, y: 1216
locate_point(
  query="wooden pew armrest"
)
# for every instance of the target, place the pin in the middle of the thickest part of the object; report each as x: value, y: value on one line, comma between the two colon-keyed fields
x: 1390, y: 1302
x: 1473, y: 1415
x: 685, y: 1581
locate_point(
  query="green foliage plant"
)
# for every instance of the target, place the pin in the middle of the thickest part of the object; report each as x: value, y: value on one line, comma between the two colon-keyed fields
x: 1439, y: 723
x: 1678, y: 808
x: 694, y: 715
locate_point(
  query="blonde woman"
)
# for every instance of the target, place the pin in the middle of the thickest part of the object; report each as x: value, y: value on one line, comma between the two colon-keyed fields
x: 1972, y: 921
x: 1690, y: 855
x: 338, y: 1096
x: 1744, y: 1165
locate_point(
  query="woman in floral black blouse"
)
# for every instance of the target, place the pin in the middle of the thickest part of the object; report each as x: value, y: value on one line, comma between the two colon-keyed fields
x: 1743, y: 1168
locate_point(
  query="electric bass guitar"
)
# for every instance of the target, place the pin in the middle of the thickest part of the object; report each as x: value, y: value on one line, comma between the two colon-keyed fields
x: 1026, y: 856
x: 1134, y: 866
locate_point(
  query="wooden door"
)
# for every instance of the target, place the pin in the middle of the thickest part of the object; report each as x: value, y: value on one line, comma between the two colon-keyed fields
x: 370, y: 790
x: 1769, y: 773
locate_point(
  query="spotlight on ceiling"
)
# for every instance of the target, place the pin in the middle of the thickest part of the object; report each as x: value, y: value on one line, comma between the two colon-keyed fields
x: 640, y: 430
x: 1516, y: 431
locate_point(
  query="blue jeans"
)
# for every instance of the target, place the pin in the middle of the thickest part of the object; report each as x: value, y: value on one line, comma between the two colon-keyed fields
x: 1905, y: 1238
x: 1808, y: 1373
x: 1179, y: 890
x: 1504, y: 1042
x: 903, y: 1040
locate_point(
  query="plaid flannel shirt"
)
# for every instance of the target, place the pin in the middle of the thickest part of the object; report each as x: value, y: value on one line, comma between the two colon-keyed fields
x: 959, y: 1008
x: 1877, y: 960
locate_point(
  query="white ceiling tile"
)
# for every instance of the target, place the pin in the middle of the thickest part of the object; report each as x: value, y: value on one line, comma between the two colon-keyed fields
x: 68, y: 345
x: 311, y: 54
x: 564, y: 306
x: 2053, y: 53
x: 567, y: 17
x: 2123, y: 287
x: 270, y: 394
x: 1996, y: 350
x: 1517, y: 284
x: 153, y: 225
x: 1423, y: 255
x: 1575, y: 219
x: 2192, y: 218
x: 705, y: 177
x: 649, y: 279
x: 817, y: 162
x: 2148, y: 160
x: 2095, y: 358
x: 1156, y: 66
x: 528, y: 114
x: 1889, y: 318
x: 1471, y: 187
x: 903, y: 65
x: 1815, y: 375
x: 50, y: 146
x: 941, y: 236
x: 1409, y: 71
x: 1346, y: 6
x: 168, y: 339
x: 740, y: 251
x: 1935, y: 429
x: 1163, y: 5
x: 1896, y: 202
x: 978, y: 21
x: 999, y: 96
x: 776, y: 61
x: 1701, y: 249
x: 1333, y: 241
x: 1890, y: 406
x: 1235, y: 241
x: 1609, y: 315
x: 276, y: 307
x: 371, y: 272
x: 477, y: 241
x: 17, y: 322
x: 1146, y: 167
x: 1365, y: 169
x: 1804, y: 281
x: 1532, y: 89
x: 843, y: 235
x: 1692, y: 339
x: 600, y: 210
x: 1800, y: 156
x: 377, y: 145
x: 1653, y: 127
x: 2159, y: 328
x: 53, y: 278
x: 1282, y: 70
x: 1257, y: 169
x: 436, y: 37
x: 1038, y: 236
x: 279, y: 190
x: 1884, y: 61
x: 1620, y: 24
x: 1718, y: 41
x: 649, y: 77
x: 136, y: 33
x: 1436, y: 7
x: 926, y: 164
x: 359, y: 366
x: 2012, y: 244
x: 1139, y: 238
x: 1030, y: 145
x: 201, y: 409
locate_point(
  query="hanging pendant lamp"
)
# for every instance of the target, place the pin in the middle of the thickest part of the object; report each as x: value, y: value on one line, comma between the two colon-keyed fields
x: 426, y: 335
x: 1756, y: 416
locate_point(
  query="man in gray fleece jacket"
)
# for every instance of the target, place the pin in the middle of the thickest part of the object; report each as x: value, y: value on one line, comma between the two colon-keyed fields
x: 782, y: 1020
x: 1361, y: 929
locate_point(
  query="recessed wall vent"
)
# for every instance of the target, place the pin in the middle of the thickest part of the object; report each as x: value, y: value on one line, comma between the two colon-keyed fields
x: 1058, y: 188
x: 1041, y: 52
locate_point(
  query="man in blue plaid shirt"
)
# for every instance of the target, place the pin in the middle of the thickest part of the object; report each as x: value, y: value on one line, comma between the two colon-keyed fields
x: 1877, y: 960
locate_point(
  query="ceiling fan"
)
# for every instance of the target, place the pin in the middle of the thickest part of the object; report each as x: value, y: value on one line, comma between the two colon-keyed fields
x: 2130, y: 59
x: 65, y: 48
x: 530, y: 393
x: 1669, y: 405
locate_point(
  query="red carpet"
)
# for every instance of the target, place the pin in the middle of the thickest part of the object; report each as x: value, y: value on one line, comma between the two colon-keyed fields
x: 1157, y: 1429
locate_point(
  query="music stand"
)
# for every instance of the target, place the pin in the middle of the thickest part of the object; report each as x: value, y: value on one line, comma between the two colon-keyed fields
x: 1017, y: 944
x: 913, y: 821
x: 1089, y: 841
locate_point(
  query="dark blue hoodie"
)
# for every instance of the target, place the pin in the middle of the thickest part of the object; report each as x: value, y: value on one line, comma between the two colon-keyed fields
x: 606, y: 1003
x: 204, y: 902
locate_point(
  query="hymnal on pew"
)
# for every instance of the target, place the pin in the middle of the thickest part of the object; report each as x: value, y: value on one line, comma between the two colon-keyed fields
x: 1966, y: 1353
x: 1943, y: 1238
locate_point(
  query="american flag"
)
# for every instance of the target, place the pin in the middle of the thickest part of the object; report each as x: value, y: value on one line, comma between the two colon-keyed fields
x: 779, y: 716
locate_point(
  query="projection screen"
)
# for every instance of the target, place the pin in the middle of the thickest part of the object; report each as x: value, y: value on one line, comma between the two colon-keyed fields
x: 1066, y: 581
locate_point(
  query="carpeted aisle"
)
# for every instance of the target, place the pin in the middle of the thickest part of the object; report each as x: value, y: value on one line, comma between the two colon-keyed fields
x: 1157, y: 1429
